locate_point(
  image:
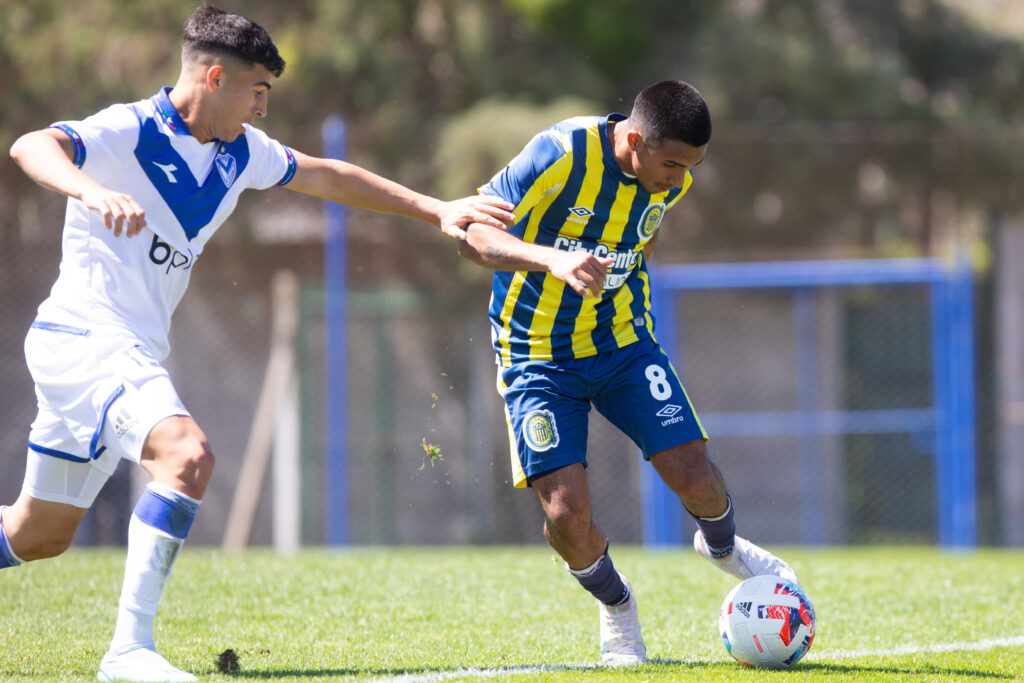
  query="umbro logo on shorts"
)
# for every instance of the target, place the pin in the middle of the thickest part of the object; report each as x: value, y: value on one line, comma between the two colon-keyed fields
x: 669, y: 410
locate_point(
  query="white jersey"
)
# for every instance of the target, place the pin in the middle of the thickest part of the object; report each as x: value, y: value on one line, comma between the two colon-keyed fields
x: 187, y: 189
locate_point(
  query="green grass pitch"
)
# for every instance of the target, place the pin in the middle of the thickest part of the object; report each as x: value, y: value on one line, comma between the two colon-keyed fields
x: 513, y: 614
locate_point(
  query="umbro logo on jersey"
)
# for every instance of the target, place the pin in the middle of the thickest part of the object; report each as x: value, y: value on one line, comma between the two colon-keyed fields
x: 580, y: 214
x: 227, y: 167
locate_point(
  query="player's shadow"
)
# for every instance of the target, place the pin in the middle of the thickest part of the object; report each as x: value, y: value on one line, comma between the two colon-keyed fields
x: 397, y: 673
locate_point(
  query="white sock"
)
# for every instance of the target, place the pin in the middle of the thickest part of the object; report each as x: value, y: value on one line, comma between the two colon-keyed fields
x: 151, y: 556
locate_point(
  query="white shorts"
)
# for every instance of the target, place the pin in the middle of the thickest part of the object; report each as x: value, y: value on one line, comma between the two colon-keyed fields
x: 99, y: 395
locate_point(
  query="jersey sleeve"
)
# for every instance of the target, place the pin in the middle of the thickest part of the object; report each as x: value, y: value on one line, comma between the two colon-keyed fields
x: 537, y: 170
x: 273, y: 164
x: 102, y: 141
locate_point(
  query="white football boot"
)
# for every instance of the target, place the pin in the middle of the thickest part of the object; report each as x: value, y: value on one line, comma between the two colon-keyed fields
x: 745, y: 560
x: 143, y: 665
x: 621, y: 641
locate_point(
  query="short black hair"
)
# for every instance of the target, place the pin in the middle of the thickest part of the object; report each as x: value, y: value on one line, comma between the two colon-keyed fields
x: 217, y: 32
x: 673, y: 110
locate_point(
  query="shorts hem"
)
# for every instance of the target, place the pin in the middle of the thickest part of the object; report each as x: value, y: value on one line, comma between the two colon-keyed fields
x: 53, y: 452
x: 529, y: 477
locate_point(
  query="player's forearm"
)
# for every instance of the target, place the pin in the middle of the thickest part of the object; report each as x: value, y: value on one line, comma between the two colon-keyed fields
x: 367, y: 190
x: 351, y: 185
x: 499, y: 250
x: 44, y: 160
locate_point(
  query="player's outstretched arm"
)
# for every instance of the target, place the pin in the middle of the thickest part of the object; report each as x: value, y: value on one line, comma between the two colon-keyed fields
x: 497, y: 249
x: 354, y: 186
x: 46, y: 157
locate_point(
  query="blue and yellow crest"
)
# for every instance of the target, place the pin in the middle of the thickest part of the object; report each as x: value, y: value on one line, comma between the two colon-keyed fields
x: 649, y: 221
x: 539, y: 430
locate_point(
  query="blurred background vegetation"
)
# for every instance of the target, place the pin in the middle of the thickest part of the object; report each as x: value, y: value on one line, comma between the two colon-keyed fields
x: 849, y: 127
x: 842, y: 129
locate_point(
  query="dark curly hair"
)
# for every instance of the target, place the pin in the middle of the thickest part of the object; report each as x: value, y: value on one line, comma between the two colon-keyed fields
x: 217, y: 32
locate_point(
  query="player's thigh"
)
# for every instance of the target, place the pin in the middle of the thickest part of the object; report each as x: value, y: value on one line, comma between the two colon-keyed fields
x: 138, y: 412
x: 55, y: 475
x: 547, y: 413
x: 644, y: 398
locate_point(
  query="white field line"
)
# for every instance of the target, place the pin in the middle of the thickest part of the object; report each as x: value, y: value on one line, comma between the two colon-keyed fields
x: 827, y: 655
x: 986, y: 644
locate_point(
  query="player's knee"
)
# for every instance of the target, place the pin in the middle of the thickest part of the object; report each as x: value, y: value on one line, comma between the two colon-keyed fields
x: 195, y: 463
x: 699, y: 483
x: 179, y: 455
x: 570, y: 517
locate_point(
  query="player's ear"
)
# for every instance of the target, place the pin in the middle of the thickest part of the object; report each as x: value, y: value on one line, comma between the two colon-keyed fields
x: 214, y: 77
x: 634, y: 138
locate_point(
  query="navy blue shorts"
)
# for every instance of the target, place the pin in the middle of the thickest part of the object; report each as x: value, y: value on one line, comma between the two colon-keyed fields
x: 547, y: 405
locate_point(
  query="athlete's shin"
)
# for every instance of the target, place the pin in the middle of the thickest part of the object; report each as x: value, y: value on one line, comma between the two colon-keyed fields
x: 719, y: 531
x: 603, y: 582
x: 158, y: 527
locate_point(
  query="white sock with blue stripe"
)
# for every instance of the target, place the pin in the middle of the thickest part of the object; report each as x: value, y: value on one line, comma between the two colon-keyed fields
x: 158, y: 527
x: 7, y: 556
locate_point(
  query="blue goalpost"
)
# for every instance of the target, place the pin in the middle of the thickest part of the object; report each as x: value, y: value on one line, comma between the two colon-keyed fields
x: 949, y: 421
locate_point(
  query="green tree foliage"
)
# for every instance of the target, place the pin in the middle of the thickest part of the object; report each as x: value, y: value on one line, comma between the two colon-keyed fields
x: 417, y: 80
x: 469, y: 153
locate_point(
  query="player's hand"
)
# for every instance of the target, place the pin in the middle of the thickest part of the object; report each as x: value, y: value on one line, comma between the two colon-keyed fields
x: 120, y: 211
x: 581, y: 270
x: 457, y: 215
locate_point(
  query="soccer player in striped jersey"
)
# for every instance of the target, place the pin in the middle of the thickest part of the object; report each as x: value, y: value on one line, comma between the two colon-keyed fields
x: 571, y: 327
x: 148, y: 184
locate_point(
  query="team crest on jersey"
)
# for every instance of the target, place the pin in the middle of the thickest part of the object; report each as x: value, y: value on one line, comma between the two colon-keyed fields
x: 539, y: 430
x: 650, y: 220
x: 227, y: 167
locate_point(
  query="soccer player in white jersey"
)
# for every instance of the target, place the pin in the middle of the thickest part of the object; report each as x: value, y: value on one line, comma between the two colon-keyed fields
x: 148, y: 184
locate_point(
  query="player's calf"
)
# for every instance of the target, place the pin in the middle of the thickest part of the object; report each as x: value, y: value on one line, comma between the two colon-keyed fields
x: 7, y: 556
x: 36, y: 530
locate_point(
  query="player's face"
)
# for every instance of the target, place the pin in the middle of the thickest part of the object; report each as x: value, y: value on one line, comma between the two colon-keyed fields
x: 663, y: 167
x: 242, y: 98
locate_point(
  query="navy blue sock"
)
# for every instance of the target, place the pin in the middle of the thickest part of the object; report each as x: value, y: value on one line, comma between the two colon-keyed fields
x: 7, y: 556
x: 719, y: 532
x: 603, y: 581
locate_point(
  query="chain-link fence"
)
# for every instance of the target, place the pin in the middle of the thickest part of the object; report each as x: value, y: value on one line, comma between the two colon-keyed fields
x: 421, y: 372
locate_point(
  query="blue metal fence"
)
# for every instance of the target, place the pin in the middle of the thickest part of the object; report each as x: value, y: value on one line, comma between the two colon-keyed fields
x: 948, y: 422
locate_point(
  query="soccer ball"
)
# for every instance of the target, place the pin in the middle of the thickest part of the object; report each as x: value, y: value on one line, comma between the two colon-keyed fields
x: 767, y: 621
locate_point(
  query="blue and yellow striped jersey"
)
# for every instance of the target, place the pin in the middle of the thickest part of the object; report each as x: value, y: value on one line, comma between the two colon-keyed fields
x: 570, y: 194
